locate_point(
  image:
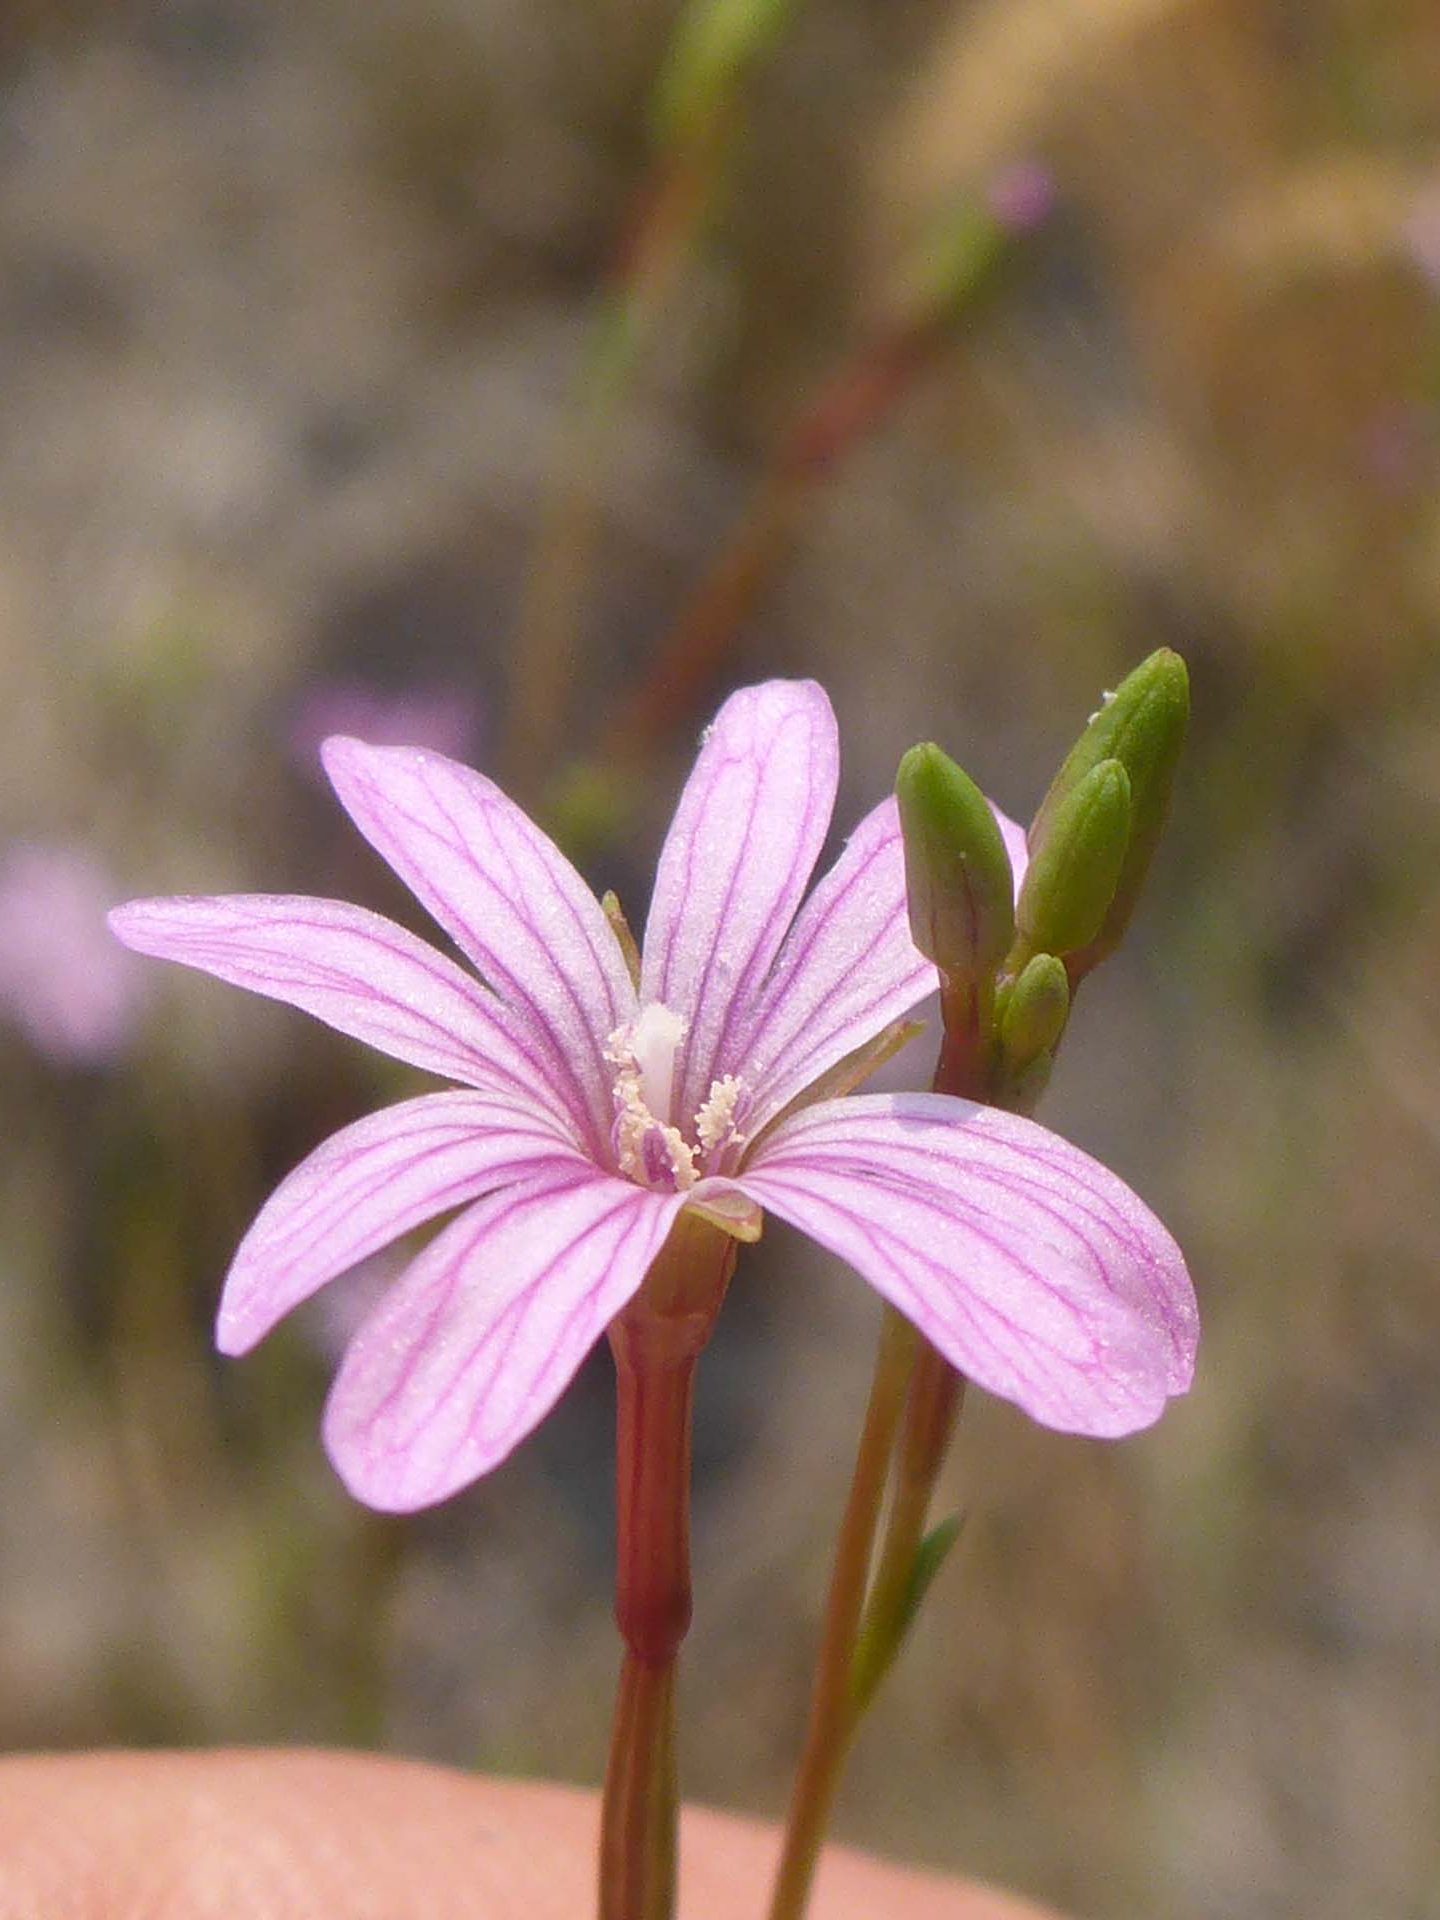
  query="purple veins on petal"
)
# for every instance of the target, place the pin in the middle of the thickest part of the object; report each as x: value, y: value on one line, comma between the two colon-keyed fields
x: 371, y: 1182
x: 736, y: 861
x: 1033, y: 1268
x: 355, y: 970
x: 507, y: 896
x: 481, y: 1335
x: 847, y: 970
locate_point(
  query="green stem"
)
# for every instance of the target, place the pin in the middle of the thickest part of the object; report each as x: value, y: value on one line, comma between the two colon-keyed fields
x: 832, y: 1711
x: 937, y: 1393
x: 548, y: 640
x: 933, y: 1395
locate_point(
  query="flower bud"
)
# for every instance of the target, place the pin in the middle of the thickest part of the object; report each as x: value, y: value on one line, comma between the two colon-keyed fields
x: 1035, y: 1012
x: 713, y: 44
x: 1142, y: 725
x: 1075, y: 863
x: 957, y: 873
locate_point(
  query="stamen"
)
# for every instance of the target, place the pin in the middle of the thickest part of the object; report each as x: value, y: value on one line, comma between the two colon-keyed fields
x: 647, y: 1147
x: 715, y: 1122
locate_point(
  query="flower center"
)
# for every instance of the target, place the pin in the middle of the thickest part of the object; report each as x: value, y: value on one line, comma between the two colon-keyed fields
x: 649, y: 1147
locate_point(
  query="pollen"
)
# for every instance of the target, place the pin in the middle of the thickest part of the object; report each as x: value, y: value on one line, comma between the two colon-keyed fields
x: 715, y: 1122
x: 648, y: 1147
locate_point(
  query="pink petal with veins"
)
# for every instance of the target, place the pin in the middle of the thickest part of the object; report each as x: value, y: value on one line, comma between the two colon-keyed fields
x: 1016, y: 845
x: 356, y: 971
x: 371, y: 1182
x: 1034, y: 1270
x: 848, y: 968
x: 735, y: 864
x: 482, y: 1334
x: 506, y: 895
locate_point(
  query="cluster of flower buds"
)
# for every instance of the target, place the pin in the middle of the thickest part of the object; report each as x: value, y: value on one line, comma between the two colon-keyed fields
x: 1013, y: 937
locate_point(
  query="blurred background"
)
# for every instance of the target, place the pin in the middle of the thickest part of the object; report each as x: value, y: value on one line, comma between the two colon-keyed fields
x: 515, y: 376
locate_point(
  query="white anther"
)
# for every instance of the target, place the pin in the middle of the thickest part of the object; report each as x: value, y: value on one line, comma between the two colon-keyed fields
x: 715, y: 1122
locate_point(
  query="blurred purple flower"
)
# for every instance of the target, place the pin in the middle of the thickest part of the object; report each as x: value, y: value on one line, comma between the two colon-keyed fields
x: 63, y: 982
x: 590, y: 1114
x: 1421, y: 233
x: 1395, y: 448
x: 1021, y: 196
x: 442, y: 717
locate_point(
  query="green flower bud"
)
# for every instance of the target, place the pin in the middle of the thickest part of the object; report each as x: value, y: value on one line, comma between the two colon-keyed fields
x: 1036, y: 1009
x: 961, y: 252
x: 1142, y: 725
x: 1076, y: 863
x: 713, y: 43
x: 957, y: 872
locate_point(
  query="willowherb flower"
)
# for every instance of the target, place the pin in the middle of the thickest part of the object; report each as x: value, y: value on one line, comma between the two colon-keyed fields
x: 63, y: 983
x: 1021, y: 196
x: 591, y: 1111
x: 436, y: 714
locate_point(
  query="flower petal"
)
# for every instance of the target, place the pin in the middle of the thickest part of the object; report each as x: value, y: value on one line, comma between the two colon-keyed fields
x: 478, y: 1339
x: 846, y: 971
x: 736, y: 861
x: 1016, y: 844
x: 355, y: 970
x: 506, y: 895
x: 1032, y: 1268
x: 368, y: 1184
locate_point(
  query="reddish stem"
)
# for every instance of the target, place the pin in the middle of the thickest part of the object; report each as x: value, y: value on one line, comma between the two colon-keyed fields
x: 849, y: 406
x: 656, y: 1342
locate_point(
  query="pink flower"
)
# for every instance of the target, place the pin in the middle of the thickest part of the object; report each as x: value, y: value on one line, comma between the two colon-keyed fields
x: 1021, y: 196
x: 63, y: 982
x: 589, y: 1113
x: 433, y: 714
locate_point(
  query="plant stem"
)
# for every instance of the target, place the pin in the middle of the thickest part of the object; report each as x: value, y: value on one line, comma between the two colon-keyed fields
x: 832, y: 1712
x: 850, y: 405
x: 548, y: 645
x: 933, y: 1396
x: 932, y: 1408
x: 656, y: 1343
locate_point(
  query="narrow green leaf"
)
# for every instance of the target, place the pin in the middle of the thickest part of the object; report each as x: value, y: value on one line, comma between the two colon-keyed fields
x: 881, y: 1640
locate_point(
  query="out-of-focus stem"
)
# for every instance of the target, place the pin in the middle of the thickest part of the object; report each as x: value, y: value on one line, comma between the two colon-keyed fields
x: 850, y: 405
x: 547, y: 639
x: 934, y: 1395
x: 832, y: 1709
